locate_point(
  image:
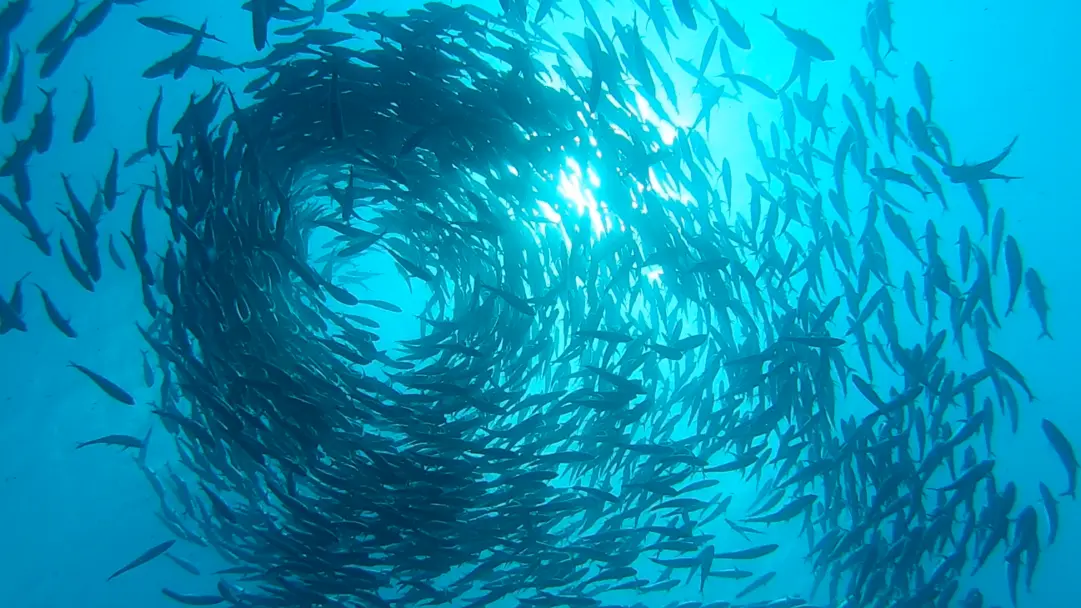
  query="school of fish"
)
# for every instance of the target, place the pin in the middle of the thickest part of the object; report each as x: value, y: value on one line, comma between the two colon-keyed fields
x: 565, y: 430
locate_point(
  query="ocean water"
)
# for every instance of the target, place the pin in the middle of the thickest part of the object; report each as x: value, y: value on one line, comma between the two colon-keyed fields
x: 69, y: 518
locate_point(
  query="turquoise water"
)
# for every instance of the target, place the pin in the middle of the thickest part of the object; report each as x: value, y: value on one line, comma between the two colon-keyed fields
x: 69, y: 519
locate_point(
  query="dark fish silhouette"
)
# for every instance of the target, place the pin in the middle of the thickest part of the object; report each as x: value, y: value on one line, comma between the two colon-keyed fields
x: 147, y: 555
x: 106, y: 385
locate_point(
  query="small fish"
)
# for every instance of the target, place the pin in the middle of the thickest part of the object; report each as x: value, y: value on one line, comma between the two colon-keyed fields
x: 192, y: 599
x: 184, y: 564
x: 757, y: 85
x: 114, y: 255
x: 998, y: 228
x: 812, y: 46
x: 147, y: 555
x: 787, y: 512
x: 756, y: 584
x: 685, y: 13
x: 815, y: 341
x: 923, y: 88
x: 106, y: 385
x: 11, y: 312
x: 964, y: 248
x: 85, y: 121
x: 733, y: 30
x: 57, y: 319
x: 123, y: 441
x: 239, y: 570
x: 1037, y: 297
x: 13, y: 97
x: 1065, y: 451
x: 1014, y: 271
x: 55, y: 58
x: 148, y: 371
x: 999, y: 363
x: 169, y: 26
x: 387, y: 306
x: 93, y: 19
x: 340, y: 6
x: 55, y: 36
x: 5, y: 54
x: 751, y: 553
x: 1050, y: 505
x: 144, y: 449
x: 109, y: 189
x: 152, y: 145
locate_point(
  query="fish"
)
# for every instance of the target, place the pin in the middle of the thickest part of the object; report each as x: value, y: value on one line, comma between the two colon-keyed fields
x: 749, y: 553
x: 1037, y: 297
x: 13, y: 96
x: 86, y: 119
x: 11, y: 311
x: 999, y: 363
x: 1014, y: 270
x: 753, y: 83
x: 190, y: 599
x: 756, y: 584
x: 787, y: 512
x: 339, y: 6
x: 685, y: 13
x: 55, y: 35
x: 1065, y: 452
x: 5, y: 54
x: 107, y: 386
x: 734, y: 31
x: 55, y: 56
x: 143, y: 558
x: 114, y: 255
x: 977, y: 172
x: 816, y: 341
x: 809, y: 44
x: 1051, y: 507
x: 184, y: 564
x: 170, y: 26
x: 148, y: 371
x: 93, y: 19
x: 387, y: 306
x: 123, y: 441
x: 923, y: 88
x: 55, y: 316
x: 997, y: 234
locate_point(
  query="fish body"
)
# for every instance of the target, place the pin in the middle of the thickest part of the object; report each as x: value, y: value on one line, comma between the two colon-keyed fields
x: 144, y: 557
x: 1065, y: 452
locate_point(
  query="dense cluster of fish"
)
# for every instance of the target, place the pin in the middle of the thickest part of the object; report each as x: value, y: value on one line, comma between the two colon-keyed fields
x: 565, y: 429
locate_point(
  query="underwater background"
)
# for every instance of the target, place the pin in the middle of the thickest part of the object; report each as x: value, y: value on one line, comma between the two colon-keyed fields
x: 68, y: 519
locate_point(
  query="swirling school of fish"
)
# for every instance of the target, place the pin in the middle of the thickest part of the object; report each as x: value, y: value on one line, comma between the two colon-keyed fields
x: 563, y: 429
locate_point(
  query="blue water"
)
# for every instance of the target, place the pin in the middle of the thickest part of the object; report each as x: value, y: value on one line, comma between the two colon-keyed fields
x: 68, y: 519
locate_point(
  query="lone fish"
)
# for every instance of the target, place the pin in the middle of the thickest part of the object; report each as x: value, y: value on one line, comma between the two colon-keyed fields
x: 147, y: 555
x: 108, y: 386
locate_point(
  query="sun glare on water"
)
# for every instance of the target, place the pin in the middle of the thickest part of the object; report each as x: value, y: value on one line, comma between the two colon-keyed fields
x: 580, y: 191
